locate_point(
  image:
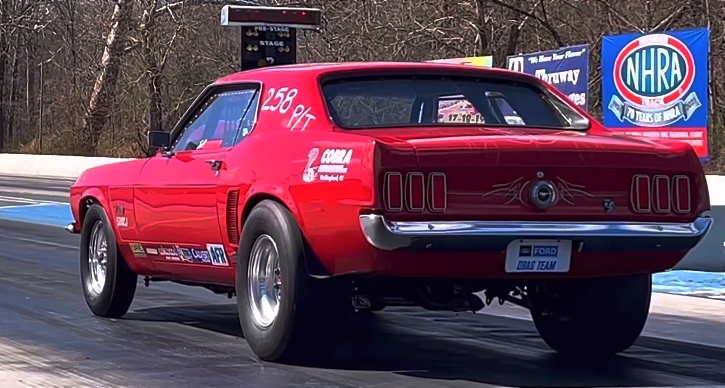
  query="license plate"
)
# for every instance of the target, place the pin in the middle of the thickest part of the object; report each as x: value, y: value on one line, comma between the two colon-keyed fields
x: 538, y: 256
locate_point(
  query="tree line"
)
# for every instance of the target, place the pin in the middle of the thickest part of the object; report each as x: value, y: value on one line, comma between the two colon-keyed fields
x: 90, y: 77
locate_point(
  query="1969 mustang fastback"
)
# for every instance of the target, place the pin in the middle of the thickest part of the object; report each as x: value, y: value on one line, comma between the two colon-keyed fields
x: 313, y: 191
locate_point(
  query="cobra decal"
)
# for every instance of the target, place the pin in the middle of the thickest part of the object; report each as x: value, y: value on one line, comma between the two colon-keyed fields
x: 332, y: 167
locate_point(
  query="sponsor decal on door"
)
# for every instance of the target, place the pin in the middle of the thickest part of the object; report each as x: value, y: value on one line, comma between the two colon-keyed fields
x: 137, y: 249
x: 332, y: 167
x: 213, y: 254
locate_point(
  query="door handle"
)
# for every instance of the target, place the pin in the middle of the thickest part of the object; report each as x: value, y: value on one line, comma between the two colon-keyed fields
x: 215, y: 165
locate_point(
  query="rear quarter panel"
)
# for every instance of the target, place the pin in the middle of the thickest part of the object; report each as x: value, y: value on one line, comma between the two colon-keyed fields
x: 286, y: 166
x: 282, y: 156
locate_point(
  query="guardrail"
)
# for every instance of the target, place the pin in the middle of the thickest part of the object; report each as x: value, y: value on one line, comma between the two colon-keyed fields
x: 708, y: 256
x: 59, y: 166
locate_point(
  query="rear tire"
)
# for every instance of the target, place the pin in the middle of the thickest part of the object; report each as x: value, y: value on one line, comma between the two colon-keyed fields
x: 108, y: 283
x: 592, y: 317
x: 310, y: 312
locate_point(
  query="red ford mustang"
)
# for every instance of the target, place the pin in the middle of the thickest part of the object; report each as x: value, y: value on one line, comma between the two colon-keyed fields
x: 309, y: 191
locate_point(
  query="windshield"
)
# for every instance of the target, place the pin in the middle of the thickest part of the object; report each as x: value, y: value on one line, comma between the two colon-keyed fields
x: 404, y: 101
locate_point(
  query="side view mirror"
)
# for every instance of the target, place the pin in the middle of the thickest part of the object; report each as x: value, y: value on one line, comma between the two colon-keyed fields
x: 158, y: 140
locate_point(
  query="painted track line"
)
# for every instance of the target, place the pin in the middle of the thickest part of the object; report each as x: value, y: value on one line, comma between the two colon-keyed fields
x: 29, y: 200
x: 26, y: 205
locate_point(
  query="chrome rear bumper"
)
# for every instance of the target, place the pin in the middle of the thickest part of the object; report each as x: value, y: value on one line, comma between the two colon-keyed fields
x: 496, y: 235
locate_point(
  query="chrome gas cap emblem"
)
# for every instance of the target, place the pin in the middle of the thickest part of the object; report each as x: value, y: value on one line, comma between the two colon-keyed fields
x: 543, y: 194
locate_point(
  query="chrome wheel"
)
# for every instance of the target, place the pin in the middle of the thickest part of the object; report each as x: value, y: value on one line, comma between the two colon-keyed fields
x: 97, y: 259
x: 265, y: 281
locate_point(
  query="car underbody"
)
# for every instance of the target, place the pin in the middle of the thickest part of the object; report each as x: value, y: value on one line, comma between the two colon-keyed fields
x: 576, y: 316
x: 375, y: 293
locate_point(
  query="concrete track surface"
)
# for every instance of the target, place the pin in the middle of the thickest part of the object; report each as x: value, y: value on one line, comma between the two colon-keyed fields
x: 177, y: 336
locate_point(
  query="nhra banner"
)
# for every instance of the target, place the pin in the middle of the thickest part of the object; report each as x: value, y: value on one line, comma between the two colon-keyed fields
x: 656, y: 85
x: 566, y: 68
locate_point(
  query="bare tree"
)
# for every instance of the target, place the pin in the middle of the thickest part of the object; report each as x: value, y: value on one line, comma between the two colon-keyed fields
x: 155, y: 56
x: 102, y: 96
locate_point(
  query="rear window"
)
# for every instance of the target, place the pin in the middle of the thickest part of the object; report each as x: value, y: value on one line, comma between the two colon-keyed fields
x: 402, y: 101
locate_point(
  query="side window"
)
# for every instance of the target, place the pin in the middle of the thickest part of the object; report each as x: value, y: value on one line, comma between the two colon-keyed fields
x: 457, y: 110
x: 227, y: 116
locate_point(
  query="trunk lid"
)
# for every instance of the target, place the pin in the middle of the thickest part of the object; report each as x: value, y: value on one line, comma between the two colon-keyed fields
x: 524, y: 174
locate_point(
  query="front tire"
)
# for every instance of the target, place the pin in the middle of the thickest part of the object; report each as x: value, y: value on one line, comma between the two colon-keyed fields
x: 108, y: 283
x: 286, y: 315
x: 592, y: 317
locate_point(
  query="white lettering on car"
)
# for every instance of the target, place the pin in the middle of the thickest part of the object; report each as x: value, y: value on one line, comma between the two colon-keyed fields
x: 302, y: 117
x: 281, y: 101
x: 336, y: 156
x: 122, y: 222
x: 332, y: 168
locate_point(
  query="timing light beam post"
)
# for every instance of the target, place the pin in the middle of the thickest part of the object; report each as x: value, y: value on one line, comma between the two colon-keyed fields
x: 269, y: 34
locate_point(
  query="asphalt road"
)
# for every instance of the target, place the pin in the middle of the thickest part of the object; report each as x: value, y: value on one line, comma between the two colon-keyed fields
x: 177, y: 336
x: 41, y: 188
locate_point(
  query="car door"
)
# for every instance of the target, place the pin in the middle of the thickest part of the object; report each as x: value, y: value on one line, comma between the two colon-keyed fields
x: 176, y: 195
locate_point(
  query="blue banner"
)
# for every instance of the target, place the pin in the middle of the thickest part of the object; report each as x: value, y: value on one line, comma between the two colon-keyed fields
x: 656, y: 85
x: 566, y: 68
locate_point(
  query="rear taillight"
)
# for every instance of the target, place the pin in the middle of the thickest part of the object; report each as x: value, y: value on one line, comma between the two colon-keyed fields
x: 661, y: 191
x: 661, y: 194
x: 393, y: 191
x: 437, y: 192
x: 415, y: 192
x: 682, y: 196
x: 640, y: 194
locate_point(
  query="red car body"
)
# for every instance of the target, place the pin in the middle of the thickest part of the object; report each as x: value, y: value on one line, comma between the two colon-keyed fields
x: 180, y: 201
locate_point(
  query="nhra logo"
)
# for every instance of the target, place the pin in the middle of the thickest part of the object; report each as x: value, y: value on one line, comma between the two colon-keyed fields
x: 653, y: 75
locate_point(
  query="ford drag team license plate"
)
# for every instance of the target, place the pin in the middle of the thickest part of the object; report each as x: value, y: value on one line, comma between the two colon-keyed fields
x: 538, y: 256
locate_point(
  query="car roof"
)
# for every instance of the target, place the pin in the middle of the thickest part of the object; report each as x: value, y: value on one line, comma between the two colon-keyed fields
x: 317, y: 69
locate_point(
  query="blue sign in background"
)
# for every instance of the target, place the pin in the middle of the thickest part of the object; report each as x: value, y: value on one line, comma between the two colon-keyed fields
x: 653, y: 69
x: 566, y: 68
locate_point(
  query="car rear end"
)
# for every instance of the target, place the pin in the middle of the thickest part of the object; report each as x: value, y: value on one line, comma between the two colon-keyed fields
x: 497, y: 199
x: 490, y: 186
x: 604, y: 212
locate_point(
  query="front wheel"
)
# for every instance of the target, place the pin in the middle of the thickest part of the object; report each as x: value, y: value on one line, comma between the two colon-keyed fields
x: 591, y: 317
x: 108, y: 283
x: 285, y: 314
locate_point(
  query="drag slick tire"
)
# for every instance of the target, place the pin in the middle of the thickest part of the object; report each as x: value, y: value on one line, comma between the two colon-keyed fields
x: 591, y: 317
x: 108, y: 283
x: 286, y: 315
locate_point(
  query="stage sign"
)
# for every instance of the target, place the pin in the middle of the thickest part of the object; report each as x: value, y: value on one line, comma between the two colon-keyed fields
x: 656, y: 85
x: 566, y: 68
